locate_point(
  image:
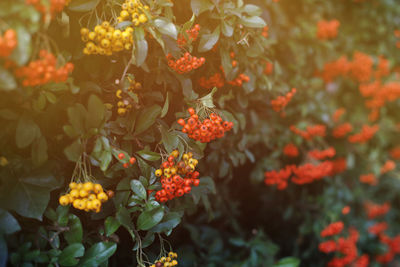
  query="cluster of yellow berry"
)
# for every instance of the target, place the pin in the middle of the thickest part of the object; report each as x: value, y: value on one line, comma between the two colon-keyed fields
x: 86, y: 196
x: 105, y: 39
x: 124, y: 102
x: 167, y: 261
x: 133, y: 10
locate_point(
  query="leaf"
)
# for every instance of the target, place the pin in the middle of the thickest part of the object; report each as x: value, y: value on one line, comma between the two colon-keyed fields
x: 124, y: 217
x: 105, y: 159
x: 252, y: 10
x: 7, y: 81
x: 165, y: 107
x: 169, y: 140
x: 50, y: 97
x: 147, y: 118
x: 150, y: 218
x: 138, y: 188
x: 199, y: 6
x: 74, y: 151
x: 96, y: 111
x: 169, y: 222
x: 70, y: 253
x: 207, y: 100
x: 288, y: 262
x: 8, y: 114
x: 8, y: 224
x: 97, y: 254
x: 148, y: 155
x: 166, y: 27
x: 141, y: 47
x: 39, y: 151
x: 111, y: 225
x: 253, y: 22
x: 83, y: 5
x: 75, y: 232
x: 23, y: 50
x: 27, y: 131
x: 208, y: 41
x: 226, y: 28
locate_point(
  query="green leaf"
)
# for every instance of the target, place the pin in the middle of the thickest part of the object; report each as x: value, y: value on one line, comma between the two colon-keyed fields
x: 147, y: 118
x: 27, y: 131
x: 252, y: 10
x: 199, y: 6
x: 166, y: 27
x: 23, y: 50
x: 105, y: 159
x: 165, y: 107
x: 74, y: 151
x: 96, y: 111
x: 7, y: 81
x: 288, y: 262
x: 253, y: 22
x: 39, y: 151
x: 97, y: 254
x: 169, y: 222
x: 150, y: 218
x: 75, y: 232
x: 208, y: 41
x: 50, y: 97
x: 141, y: 47
x: 148, y: 155
x: 83, y: 5
x: 70, y: 253
x: 170, y: 140
x: 124, y: 217
x: 8, y: 224
x: 207, y: 100
x: 226, y: 28
x: 111, y: 225
x: 138, y: 188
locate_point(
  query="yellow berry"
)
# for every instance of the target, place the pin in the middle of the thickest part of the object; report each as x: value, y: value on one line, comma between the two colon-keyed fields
x: 88, y: 186
x: 92, y: 196
x: 97, y: 188
x: 102, y: 197
x: 175, y: 153
x: 121, y: 111
x: 76, y: 203
x: 117, y: 34
x: 97, y: 28
x: 129, y: 30
x: 84, y: 31
x: 105, y: 43
x: 105, y: 24
x: 92, y: 36
x: 124, y: 14
x: 142, y: 18
x: 96, y: 204
x: 83, y: 193
x: 128, y: 46
x: 74, y: 193
x: 64, y: 200
x: 119, y: 93
x: 73, y: 185
x: 158, y: 172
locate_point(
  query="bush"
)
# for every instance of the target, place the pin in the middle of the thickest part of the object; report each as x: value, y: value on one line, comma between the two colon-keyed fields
x: 216, y: 133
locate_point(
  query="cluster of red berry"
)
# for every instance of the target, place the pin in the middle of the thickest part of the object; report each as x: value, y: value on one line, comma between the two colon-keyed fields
x: 269, y: 68
x: 215, y: 80
x: 322, y: 154
x: 291, y: 150
x: 186, y: 63
x: 304, y: 174
x: 374, y: 210
x: 310, y: 132
x: 281, y: 101
x: 206, y: 130
x: 367, y: 132
x: 192, y: 34
x: 332, y: 229
x: 125, y: 160
x: 265, y: 32
x: 327, y: 29
x: 369, y: 178
x: 55, y: 6
x: 8, y: 42
x: 177, y: 177
x: 44, y: 70
x: 389, y: 165
x: 342, y: 130
x: 239, y: 80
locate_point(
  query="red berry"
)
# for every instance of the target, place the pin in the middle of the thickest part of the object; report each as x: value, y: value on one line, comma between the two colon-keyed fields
x: 121, y: 155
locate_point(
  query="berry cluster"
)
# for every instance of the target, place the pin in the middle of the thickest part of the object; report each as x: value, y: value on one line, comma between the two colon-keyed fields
x: 185, y: 64
x: 8, y: 42
x: 56, y: 6
x: 367, y: 132
x: 105, y: 39
x: 177, y: 177
x: 86, y: 196
x: 395, y: 152
x: 192, y: 35
x: 291, y: 150
x: 206, y: 130
x: 369, y: 178
x: 281, y: 101
x: 215, y: 80
x: 310, y: 132
x: 167, y: 261
x: 332, y: 229
x: 127, y: 162
x: 338, y: 114
x: 265, y: 32
x: 389, y: 165
x: 327, y: 29
x: 304, y: 174
x: 374, y: 210
x: 322, y: 154
x: 269, y: 68
x: 342, y: 130
x: 133, y: 10
x: 124, y: 101
x: 44, y: 70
